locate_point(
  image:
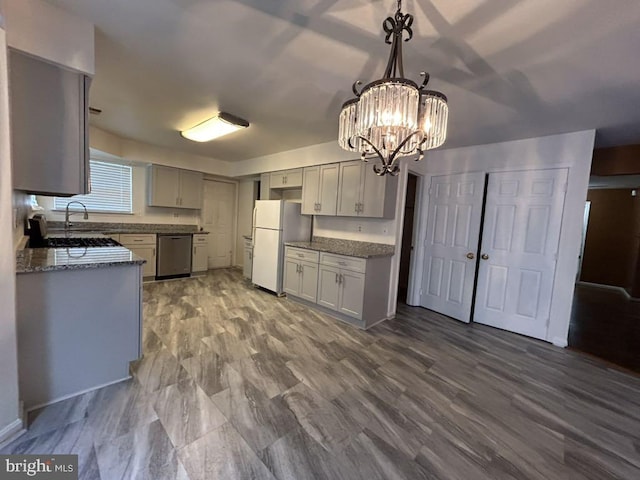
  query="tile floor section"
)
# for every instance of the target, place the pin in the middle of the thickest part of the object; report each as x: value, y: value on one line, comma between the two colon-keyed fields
x: 238, y: 384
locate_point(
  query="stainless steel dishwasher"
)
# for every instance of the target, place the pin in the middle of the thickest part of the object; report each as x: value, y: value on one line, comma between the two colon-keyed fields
x: 174, y: 255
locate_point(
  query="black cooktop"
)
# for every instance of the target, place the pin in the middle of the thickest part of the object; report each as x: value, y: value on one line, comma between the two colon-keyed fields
x: 71, y: 242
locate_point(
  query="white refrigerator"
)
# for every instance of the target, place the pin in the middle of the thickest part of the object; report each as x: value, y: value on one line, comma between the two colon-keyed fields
x: 275, y: 222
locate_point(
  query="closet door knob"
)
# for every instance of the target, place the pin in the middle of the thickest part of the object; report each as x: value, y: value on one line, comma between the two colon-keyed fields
x: 470, y: 256
x: 484, y: 256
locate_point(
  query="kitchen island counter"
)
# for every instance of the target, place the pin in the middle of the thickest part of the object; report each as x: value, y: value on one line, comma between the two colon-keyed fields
x: 30, y: 260
x: 350, y: 248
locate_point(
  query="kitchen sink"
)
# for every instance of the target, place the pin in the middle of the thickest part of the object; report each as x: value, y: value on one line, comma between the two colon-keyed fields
x: 74, y: 242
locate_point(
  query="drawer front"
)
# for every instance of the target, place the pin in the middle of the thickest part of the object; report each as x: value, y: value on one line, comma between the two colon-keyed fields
x: 200, y: 238
x: 138, y: 239
x: 353, y: 264
x: 302, y: 254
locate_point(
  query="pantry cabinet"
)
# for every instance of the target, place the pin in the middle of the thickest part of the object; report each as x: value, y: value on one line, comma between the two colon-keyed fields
x: 320, y: 190
x: 174, y: 187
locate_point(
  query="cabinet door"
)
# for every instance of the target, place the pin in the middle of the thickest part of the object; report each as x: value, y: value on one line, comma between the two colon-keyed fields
x: 293, y: 178
x: 309, y: 281
x: 149, y: 254
x: 190, y: 189
x: 373, y: 193
x: 291, y: 282
x: 328, y: 189
x: 351, y: 293
x: 265, y: 186
x: 164, y: 186
x: 328, y: 287
x: 200, y: 258
x: 48, y: 127
x: 310, y: 191
x: 248, y: 261
x: 349, y: 188
x: 277, y: 179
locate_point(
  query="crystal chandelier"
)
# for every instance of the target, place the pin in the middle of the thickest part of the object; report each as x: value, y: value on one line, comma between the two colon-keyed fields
x: 393, y: 117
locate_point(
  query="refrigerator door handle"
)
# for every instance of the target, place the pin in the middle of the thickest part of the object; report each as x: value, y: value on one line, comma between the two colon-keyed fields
x: 253, y: 228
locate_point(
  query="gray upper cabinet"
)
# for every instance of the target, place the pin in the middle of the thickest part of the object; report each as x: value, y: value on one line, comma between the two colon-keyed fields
x: 173, y: 187
x: 362, y: 193
x: 49, y: 127
x: 286, y: 179
x: 320, y: 190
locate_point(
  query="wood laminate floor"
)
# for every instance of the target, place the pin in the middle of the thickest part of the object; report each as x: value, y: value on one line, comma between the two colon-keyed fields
x: 238, y: 384
x: 605, y: 323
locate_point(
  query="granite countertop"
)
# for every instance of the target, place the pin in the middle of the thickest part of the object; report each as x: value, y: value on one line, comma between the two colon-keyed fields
x: 350, y: 248
x: 31, y: 260
x: 131, y: 228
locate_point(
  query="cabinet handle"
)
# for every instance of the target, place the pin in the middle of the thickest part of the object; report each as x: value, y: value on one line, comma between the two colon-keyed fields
x: 342, y: 263
x: 341, y: 279
x: 154, y: 253
x: 302, y: 269
x: 356, y: 207
x: 337, y: 278
x: 250, y: 256
x: 319, y: 207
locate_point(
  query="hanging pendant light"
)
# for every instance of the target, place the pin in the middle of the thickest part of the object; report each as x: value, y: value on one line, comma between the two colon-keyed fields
x: 393, y: 117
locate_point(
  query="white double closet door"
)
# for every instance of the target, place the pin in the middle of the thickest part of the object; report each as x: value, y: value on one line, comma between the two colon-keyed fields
x: 498, y: 261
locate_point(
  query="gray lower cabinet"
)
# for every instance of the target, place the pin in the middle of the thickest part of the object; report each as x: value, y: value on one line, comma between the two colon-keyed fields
x: 247, y: 265
x: 77, y: 330
x: 49, y: 127
x: 143, y: 245
x: 355, y: 288
x: 200, y: 254
x: 341, y: 290
x: 301, y: 273
x: 301, y: 279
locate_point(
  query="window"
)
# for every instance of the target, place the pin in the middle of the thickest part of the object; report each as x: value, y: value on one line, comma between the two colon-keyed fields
x: 110, y: 190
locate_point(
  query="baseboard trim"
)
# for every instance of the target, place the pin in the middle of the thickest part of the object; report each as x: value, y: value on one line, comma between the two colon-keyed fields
x: 14, y: 430
x: 82, y: 392
x: 560, y: 342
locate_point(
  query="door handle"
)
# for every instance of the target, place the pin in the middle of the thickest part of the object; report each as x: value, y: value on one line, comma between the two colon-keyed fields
x: 470, y: 255
x: 484, y: 256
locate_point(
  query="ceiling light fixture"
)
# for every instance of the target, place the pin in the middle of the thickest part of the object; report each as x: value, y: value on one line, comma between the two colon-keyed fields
x: 222, y: 124
x: 393, y: 117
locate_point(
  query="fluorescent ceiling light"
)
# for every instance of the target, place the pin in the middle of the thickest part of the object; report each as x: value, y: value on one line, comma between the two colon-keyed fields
x: 222, y: 124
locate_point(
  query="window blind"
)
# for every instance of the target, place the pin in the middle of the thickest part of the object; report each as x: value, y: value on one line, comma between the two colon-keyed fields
x: 110, y: 190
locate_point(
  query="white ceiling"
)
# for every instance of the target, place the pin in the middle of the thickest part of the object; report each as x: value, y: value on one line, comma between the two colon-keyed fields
x: 511, y: 68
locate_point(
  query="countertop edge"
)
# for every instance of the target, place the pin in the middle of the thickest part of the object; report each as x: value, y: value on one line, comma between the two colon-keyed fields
x: 339, y: 252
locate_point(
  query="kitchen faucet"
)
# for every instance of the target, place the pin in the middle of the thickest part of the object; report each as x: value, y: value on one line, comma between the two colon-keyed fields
x: 67, y: 214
